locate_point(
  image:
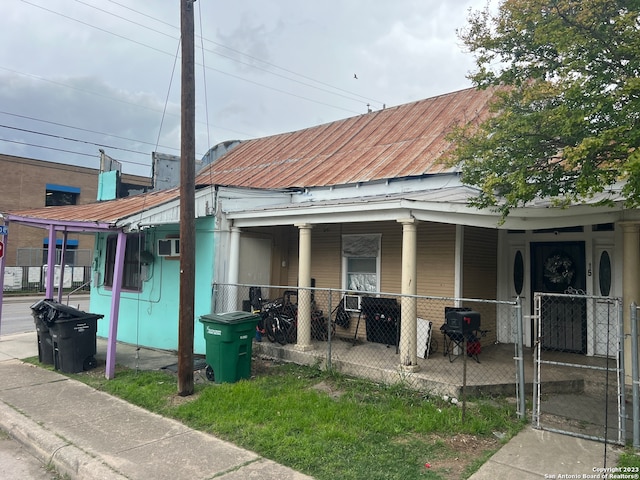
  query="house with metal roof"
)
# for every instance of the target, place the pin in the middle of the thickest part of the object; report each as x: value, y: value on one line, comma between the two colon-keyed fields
x: 362, y: 204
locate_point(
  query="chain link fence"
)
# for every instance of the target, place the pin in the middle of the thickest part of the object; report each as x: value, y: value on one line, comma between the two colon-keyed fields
x: 579, y: 385
x: 451, y: 350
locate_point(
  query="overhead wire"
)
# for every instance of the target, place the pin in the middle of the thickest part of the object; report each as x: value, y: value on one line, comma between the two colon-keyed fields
x: 90, y: 92
x: 319, y: 82
x: 205, y: 67
x: 69, y: 139
x: 26, y: 117
x: 284, y: 92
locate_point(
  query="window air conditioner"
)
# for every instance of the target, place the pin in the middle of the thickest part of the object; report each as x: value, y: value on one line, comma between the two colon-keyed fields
x: 352, y: 303
x: 168, y: 247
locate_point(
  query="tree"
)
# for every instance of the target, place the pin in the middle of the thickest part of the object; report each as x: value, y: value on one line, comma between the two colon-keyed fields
x: 565, y: 120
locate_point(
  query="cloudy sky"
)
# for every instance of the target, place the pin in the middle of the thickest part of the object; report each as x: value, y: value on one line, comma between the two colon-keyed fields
x: 80, y: 75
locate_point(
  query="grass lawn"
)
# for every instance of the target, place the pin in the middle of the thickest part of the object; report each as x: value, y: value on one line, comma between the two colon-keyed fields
x: 328, y: 425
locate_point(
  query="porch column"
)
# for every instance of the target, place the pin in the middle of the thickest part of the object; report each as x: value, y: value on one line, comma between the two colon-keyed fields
x: 630, y: 284
x: 231, y: 299
x: 118, y: 269
x: 409, y: 311
x: 4, y: 237
x: 62, y: 254
x: 51, y: 262
x: 304, y: 294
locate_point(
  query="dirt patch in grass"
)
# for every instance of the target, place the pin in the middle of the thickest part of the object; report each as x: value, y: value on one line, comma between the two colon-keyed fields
x: 453, y: 454
x: 464, y: 450
x: 329, y: 389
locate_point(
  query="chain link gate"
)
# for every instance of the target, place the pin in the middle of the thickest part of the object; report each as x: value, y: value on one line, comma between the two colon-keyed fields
x: 578, y: 385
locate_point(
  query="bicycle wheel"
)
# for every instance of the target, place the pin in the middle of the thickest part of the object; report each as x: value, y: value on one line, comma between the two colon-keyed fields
x: 269, y: 328
x: 278, y: 331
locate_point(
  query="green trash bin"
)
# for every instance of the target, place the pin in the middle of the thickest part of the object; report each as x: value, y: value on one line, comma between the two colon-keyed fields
x: 229, y: 338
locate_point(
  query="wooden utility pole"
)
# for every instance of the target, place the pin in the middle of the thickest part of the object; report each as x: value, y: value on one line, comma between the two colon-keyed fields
x: 187, y: 202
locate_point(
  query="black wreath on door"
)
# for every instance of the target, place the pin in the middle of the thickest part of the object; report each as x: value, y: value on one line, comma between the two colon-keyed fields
x: 559, y: 270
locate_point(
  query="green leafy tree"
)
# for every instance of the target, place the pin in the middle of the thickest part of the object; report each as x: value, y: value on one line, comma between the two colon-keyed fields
x: 565, y: 121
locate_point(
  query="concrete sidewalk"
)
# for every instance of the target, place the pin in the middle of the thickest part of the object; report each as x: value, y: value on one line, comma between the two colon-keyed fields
x: 92, y: 435
x: 89, y: 434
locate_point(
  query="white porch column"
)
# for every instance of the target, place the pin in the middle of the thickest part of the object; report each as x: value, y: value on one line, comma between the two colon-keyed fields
x: 409, y: 311
x: 630, y: 285
x: 231, y: 299
x: 304, y: 282
x: 459, y: 264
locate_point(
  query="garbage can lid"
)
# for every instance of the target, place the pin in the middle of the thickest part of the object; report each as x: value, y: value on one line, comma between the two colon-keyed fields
x: 63, y: 309
x: 230, y: 317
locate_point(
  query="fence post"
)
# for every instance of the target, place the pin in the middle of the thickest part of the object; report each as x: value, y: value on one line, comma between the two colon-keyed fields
x: 520, y: 359
x: 634, y: 374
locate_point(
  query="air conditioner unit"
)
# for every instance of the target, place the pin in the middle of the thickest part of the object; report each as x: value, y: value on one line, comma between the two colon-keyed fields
x: 352, y: 303
x: 168, y: 247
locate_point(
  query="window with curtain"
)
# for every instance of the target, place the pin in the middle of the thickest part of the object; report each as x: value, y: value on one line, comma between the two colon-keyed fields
x: 361, y: 261
x: 131, y: 274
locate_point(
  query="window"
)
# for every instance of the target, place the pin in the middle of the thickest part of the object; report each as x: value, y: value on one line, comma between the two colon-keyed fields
x: 131, y: 278
x: 61, y: 195
x: 361, y: 262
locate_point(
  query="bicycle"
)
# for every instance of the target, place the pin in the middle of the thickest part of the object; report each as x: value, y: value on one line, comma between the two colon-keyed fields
x: 280, y: 319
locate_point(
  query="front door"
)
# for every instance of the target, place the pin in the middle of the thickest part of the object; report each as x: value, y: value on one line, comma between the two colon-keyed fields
x: 559, y: 267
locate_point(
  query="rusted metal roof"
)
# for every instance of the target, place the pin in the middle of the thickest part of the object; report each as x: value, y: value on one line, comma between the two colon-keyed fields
x: 403, y: 141
x: 103, y: 213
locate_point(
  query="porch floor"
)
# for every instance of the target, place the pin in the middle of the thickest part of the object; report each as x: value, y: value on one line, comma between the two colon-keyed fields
x: 494, y: 375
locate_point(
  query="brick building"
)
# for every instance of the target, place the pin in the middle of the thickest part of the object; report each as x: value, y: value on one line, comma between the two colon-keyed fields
x: 30, y: 183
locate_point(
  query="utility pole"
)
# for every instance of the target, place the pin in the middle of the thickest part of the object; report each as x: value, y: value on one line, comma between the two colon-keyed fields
x: 187, y: 202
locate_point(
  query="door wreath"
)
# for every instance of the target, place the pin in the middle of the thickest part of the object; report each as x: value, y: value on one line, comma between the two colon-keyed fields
x: 559, y: 270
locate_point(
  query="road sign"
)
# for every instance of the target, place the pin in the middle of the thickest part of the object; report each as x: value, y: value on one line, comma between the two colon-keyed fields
x: 4, y: 230
x: 1, y: 249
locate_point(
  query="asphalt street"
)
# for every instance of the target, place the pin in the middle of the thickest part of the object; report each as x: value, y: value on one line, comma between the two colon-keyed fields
x: 16, y: 312
x: 19, y: 464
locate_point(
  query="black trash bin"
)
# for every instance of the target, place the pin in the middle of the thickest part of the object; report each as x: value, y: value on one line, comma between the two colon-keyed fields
x: 40, y: 312
x: 73, y: 336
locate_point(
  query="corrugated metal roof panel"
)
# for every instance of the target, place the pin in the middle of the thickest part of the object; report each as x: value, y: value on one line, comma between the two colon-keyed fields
x: 104, y: 212
x: 408, y: 140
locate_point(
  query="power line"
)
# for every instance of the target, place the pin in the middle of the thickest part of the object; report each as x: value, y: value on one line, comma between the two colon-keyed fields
x: 90, y: 92
x: 243, y: 54
x: 284, y: 92
x: 92, y: 155
x: 87, y: 130
x: 60, y: 137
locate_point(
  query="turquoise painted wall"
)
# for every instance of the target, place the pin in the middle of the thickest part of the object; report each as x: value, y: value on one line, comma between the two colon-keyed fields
x: 150, y: 318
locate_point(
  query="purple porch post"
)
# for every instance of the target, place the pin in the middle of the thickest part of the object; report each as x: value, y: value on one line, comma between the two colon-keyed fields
x: 51, y: 262
x: 62, y: 253
x: 115, y: 305
x: 2, y: 263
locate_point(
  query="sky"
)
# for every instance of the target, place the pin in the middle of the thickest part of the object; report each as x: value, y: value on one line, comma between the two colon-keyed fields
x: 77, y: 76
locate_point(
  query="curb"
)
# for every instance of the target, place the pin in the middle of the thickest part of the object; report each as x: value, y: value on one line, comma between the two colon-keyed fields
x: 51, y: 449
